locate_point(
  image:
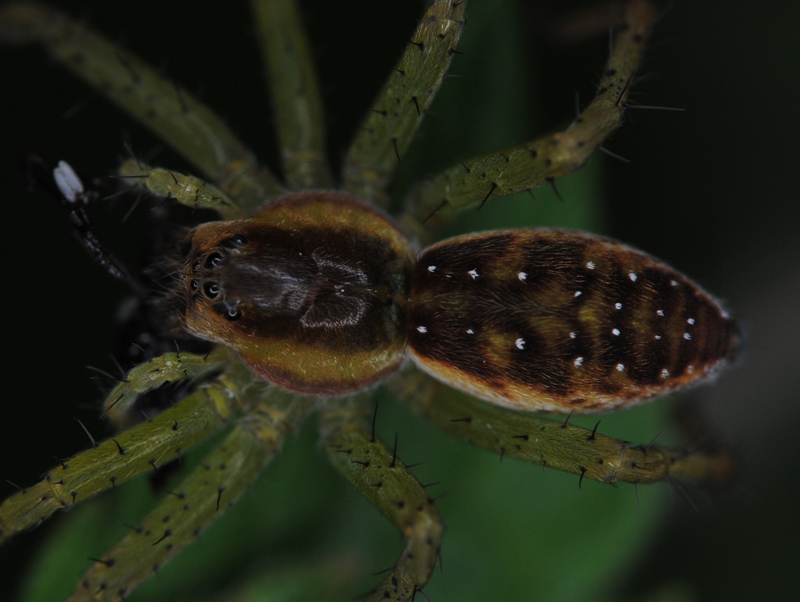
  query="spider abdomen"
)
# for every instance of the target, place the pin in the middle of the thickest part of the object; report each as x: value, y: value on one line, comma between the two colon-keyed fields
x: 309, y: 291
x: 559, y: 321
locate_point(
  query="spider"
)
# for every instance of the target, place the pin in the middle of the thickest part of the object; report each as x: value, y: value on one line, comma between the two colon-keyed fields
x: 358, y: 321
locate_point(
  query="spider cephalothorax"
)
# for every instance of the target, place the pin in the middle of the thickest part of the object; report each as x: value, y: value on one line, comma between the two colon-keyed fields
x: 311, y: 295
x: 311, y: 291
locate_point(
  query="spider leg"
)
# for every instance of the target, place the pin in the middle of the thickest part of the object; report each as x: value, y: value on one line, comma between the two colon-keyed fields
x: 185, y: 189
x: 167, y: 368
x: 544, y: 159
x: 390, y: 124
x: 391, y: 487
x: 141, y: 449
x: 561, y: 445
x: 294, y: 87
x: 213, y: 486
x: 168, y: 110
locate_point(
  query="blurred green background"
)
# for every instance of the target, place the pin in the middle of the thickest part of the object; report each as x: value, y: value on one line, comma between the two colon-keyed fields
x: 709, y: 190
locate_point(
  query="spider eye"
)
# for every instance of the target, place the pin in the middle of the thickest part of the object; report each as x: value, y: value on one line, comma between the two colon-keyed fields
x: 234, y: 242
x: 213, y: 261
x: 211, y: 289
x: 230, y: 312
x: 194, y: 284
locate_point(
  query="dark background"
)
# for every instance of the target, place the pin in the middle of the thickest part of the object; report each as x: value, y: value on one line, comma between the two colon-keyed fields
x: 710, y: 190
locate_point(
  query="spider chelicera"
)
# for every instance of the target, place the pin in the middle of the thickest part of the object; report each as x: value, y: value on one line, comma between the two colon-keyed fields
x: 325, y: 297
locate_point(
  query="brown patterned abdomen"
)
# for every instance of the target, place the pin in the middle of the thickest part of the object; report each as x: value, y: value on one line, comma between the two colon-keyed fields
x: 558, y: 321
